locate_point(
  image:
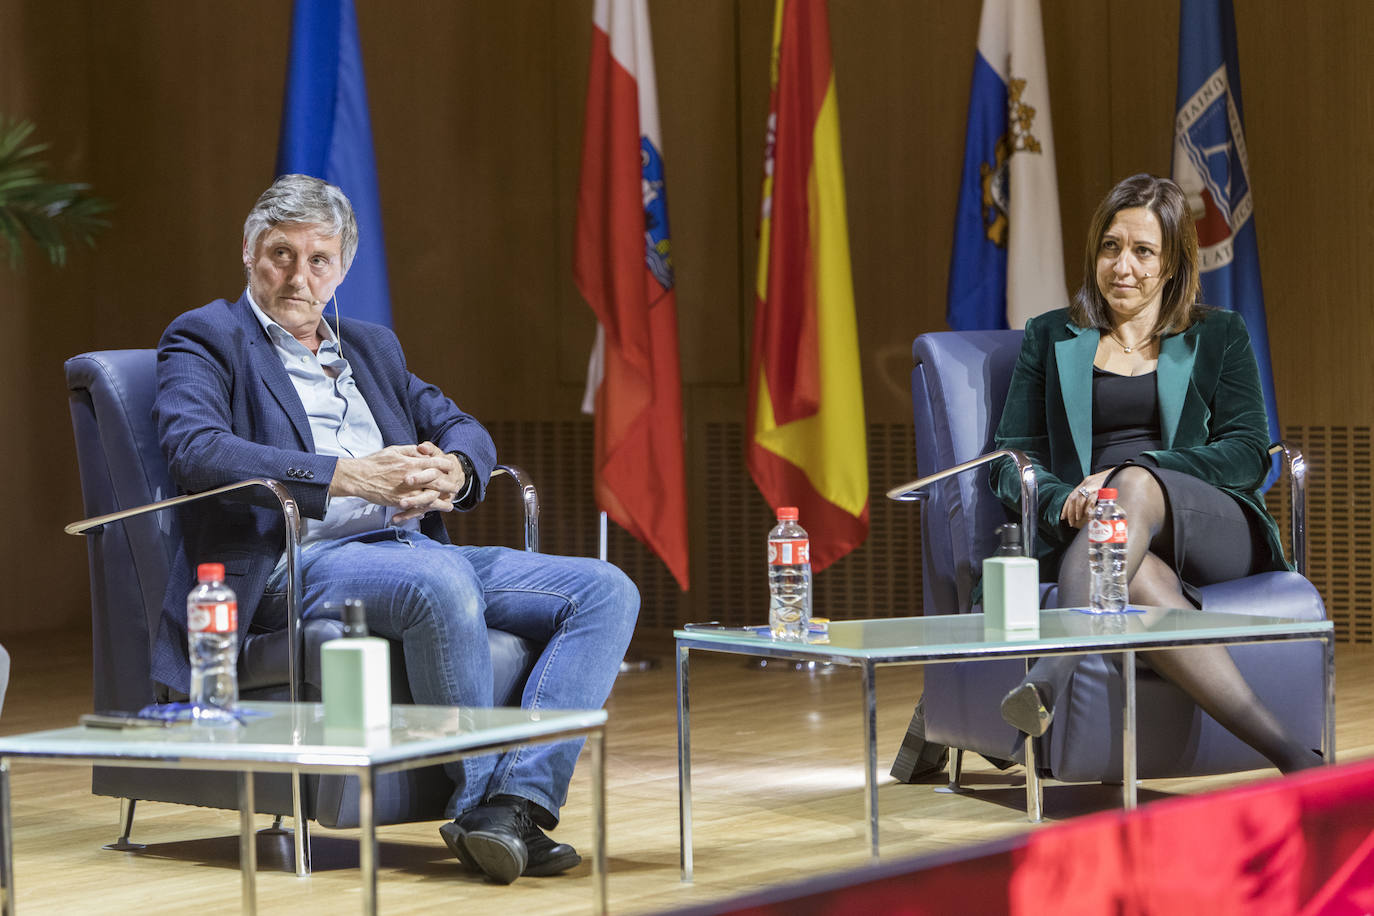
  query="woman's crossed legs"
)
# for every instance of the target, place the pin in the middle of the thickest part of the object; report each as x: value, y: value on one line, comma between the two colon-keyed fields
x: 1206, y: 673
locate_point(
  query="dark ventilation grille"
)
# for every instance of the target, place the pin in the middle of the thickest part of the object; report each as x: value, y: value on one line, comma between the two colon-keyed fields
x: 730, y: 561
x: 883, y: 577
x: 880, y: 579
x: 1340, y: 504
x: 730, y: 520
x: 558, y: 455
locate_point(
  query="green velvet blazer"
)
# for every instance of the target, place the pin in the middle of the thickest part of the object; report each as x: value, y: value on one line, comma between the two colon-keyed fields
x: 1211, y: 412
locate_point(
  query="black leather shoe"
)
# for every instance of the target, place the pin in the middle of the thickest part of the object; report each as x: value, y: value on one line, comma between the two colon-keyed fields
x: 547, y: 857
x: 452, y: 835
x: 1026, y: 709
x: 488, y: 839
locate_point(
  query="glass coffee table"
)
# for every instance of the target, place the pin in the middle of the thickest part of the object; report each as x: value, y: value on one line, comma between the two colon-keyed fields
x: 291, y: 738
x: 871, y: 644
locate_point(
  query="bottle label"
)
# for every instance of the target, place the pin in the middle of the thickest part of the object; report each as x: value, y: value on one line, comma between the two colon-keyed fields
x: 1111, y: 531
x: 789, y: 552
x: 213, y: 617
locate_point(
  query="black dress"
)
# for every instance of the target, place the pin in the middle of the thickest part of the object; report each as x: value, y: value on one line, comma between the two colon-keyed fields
x: 1213, y: 537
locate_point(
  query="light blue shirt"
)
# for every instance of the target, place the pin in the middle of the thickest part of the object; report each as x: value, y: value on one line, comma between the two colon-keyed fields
x: 341, y: 424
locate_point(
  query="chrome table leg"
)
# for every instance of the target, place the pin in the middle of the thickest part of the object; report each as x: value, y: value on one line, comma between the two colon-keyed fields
x: 302, y: 833
x: 1035, y: 792
x: 1128, y: 751
x: 248, y: 847
x: 871, y: 757
x: 597, y: 740
x: 684, y: 769
x: 7, y: 899
x: 1329, y: 697
x: 367, y: 840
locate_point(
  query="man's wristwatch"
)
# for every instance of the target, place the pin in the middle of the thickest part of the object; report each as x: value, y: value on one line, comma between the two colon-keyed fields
x: 468, y: 474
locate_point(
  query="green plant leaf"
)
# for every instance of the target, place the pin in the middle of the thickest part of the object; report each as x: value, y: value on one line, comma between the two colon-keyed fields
x: 50, y: 213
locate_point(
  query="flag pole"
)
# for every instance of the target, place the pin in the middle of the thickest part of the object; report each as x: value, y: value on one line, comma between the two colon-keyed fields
x: 601, y: 551
x: 626, y: 664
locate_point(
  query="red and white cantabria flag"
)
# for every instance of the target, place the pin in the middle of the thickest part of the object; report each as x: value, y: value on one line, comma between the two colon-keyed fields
x: 806, y: 409
x: 623, y: 266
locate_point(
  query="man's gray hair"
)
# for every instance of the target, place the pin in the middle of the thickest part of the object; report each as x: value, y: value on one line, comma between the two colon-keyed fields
x: 307, y: 200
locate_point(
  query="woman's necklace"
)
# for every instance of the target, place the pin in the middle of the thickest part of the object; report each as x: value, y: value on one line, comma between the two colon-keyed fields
x: 1133, y: 346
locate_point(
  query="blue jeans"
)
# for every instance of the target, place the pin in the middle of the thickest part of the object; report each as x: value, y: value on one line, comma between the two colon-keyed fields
x: 438, y: 600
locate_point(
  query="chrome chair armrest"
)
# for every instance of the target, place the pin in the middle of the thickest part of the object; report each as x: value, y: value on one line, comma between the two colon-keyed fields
x: 290, y: 513
x: 1295, y: 470
x: 1030, y: 497
x: 277, y: 489
x: 529, y: 496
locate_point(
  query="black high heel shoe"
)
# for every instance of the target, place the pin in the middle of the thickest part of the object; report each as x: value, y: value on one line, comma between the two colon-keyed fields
x: 919, y: 760
x: 1027, y: 709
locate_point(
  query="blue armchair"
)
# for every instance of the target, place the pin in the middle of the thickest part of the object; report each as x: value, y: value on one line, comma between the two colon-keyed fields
x: 123, y: 474
x: 958, y: 385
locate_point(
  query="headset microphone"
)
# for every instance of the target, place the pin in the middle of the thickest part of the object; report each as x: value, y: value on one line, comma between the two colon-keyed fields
x: 338, y: 328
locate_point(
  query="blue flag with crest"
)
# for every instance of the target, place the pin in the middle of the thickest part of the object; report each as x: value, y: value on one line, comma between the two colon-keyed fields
x: 1008, y: 261
x: 326, y: 132
x: 1212, y: 166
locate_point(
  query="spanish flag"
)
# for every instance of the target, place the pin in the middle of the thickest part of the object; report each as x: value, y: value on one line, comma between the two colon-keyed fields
x: 806, y: 413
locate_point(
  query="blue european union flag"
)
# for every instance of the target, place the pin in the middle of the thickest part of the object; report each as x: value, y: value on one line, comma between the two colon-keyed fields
x: 326, y: 132
x: 1211, y: 164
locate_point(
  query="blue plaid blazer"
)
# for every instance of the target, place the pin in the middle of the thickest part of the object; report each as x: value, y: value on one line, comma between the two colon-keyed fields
x: 226, y: 410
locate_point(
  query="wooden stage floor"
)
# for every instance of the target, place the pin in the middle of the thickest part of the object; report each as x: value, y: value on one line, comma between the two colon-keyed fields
x: 777, y: 780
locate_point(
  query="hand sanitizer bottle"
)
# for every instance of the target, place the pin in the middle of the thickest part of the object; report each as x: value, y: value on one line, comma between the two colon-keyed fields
x: 356, y: 678
x: 1011, y: 586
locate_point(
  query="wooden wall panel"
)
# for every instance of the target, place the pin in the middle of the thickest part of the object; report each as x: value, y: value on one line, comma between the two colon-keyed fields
x: 1080, y: 103
x: 462, y: 113
x: 1142, y: 64
x: 183, y: 118
x: 45, y: 312
x: 574, y: 321
x: 898, y: 101
x: 697, y: 51
x: 172, y: 111
x: 1309, y: 109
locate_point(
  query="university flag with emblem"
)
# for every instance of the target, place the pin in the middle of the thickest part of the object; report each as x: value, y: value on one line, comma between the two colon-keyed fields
x: 1008, y: 260
x: 1213, y: 168
x: 623, y: 267
x: 806, y: 412
x: 326, y: 132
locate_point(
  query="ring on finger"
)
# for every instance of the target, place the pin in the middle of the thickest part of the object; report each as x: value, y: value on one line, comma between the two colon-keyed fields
x: 1084, y: 492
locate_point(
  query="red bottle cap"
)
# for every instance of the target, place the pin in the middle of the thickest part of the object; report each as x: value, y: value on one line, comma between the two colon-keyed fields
x: 1107, y: 493
x: 210, y: 572
x: 787, y: 513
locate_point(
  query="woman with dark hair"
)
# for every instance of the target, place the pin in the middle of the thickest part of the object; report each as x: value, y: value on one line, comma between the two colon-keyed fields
x: 1140, y: 387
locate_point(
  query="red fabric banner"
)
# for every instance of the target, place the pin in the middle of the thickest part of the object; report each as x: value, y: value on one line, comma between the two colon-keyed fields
x: 641, y: 480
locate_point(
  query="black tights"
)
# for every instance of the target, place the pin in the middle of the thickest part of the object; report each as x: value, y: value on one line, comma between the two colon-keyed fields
x: 1205, y: 673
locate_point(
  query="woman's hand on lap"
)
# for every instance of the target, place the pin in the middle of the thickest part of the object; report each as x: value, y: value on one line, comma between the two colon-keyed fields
x: 1078, y: 508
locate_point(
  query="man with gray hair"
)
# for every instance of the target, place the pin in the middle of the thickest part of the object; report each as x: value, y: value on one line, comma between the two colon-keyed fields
x: 264, y: 387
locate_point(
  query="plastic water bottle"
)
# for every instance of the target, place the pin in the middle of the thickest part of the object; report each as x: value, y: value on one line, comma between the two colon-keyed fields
x: 789, y: 577
x: 212, y: 622
x: 1107, y: 554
